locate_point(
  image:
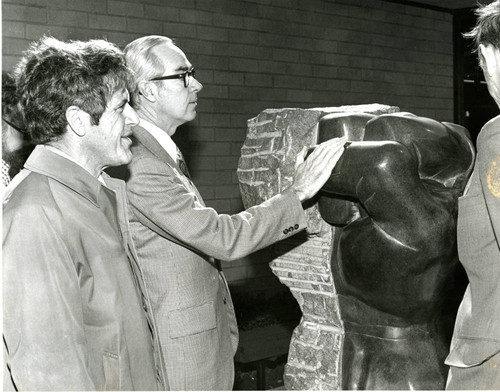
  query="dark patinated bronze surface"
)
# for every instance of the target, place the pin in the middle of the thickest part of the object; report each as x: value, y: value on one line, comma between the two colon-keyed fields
x: 394, y: 193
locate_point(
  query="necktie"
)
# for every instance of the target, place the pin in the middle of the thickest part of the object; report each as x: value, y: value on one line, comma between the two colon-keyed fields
x: 182, y: 164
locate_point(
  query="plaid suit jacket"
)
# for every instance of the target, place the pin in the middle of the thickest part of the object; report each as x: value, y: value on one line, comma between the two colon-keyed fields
x: 176, y: 240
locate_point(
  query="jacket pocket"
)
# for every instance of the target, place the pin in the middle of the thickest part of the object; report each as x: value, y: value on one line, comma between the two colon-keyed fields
x: 191, y: 321
x: 111, y: 363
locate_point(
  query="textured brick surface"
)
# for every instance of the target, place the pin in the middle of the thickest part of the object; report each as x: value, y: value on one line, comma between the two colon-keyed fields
x: 301, y: 262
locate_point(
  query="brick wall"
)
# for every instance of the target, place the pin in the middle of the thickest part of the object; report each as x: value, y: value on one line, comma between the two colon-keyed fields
x: 258, y: 54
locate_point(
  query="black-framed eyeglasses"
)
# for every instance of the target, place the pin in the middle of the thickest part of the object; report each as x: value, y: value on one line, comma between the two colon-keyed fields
x: 187, y: 76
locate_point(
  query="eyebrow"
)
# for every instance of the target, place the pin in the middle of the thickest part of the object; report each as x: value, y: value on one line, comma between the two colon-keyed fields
x: 121, y: 103
x: 183, y: 68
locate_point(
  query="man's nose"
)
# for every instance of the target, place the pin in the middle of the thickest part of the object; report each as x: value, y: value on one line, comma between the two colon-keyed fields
x: 197, y: 86
x: 131, y: 117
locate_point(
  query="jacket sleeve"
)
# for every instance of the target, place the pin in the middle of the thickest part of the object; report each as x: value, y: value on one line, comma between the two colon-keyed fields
x: 43, y: 316
x: 488, y: 146
x: 156, y: 194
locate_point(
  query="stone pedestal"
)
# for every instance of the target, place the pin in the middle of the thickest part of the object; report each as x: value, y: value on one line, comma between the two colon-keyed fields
x: 302, y: 262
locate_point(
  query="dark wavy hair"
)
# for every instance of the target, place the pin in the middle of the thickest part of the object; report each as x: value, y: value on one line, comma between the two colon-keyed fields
x: 487, y: 28
x: 11, y: 112
x: 54, y: 75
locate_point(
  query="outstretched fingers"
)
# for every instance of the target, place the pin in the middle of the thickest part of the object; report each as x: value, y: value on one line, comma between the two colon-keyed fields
x: 312, y: 174
x: 326, y: 155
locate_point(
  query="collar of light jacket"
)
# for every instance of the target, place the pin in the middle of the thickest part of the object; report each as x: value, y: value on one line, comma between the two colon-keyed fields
x: 46, y: 162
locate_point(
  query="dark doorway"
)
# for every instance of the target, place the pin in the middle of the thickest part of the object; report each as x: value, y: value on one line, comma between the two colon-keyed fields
x: 473, y: 104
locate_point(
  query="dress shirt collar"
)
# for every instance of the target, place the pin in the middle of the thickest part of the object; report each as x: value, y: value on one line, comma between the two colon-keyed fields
x: 161, y: 137
x: 55, y: 164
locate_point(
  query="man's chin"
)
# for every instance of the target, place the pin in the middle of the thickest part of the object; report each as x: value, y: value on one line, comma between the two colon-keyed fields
x: 124, y: 159
x: 127, y: 159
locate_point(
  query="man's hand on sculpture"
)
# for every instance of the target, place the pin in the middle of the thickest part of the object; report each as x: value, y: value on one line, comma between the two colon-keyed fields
x: 312, y: 173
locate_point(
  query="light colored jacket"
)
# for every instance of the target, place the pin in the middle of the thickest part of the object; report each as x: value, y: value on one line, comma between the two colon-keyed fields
x: 73, y: 318
x: 477, y: 328
x: 176, y: 239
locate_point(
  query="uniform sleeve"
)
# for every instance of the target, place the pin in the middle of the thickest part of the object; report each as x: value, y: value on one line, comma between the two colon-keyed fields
x: 488, y: 150
x: 42, y: 312
x: 158, y: 196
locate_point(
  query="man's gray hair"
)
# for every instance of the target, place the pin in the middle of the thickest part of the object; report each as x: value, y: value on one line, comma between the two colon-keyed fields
x: 144, y: 62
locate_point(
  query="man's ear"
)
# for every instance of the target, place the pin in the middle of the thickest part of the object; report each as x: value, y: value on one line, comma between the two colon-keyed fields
x: 78, y: 120
x: 489, y: 59
x: 148, y: 90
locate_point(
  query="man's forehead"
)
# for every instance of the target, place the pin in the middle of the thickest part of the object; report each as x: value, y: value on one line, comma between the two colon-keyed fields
x: 118, y: 97
x: 172, y: 57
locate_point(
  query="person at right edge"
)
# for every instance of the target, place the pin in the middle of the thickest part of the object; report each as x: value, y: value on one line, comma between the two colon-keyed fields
x: 177, y: 238
x: 474, y: 357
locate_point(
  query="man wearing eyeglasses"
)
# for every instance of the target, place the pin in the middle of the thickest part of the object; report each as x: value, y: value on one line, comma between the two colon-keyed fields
x: 178, y: 239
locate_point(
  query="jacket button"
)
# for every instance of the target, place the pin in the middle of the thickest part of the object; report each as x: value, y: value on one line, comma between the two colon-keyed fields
x: 296, y: 226
x: 285, y: 231
x: 225, y: 300
x: 290, y: 228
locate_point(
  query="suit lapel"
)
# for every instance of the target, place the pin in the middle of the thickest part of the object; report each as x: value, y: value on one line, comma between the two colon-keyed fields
x: 148, y: 141
x: 151, y: 144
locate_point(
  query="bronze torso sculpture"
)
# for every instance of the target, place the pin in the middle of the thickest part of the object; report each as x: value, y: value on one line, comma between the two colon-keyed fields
x: 395, y: 192
x: 379, y: 255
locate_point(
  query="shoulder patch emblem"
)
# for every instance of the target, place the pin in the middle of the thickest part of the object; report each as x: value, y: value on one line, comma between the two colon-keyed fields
x: 493, y: 177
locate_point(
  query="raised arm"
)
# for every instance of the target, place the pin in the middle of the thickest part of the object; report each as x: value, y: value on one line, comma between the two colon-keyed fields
x: 162, y: 202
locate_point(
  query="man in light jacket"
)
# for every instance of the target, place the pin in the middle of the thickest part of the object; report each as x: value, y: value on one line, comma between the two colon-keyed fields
x: 73, y: 317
